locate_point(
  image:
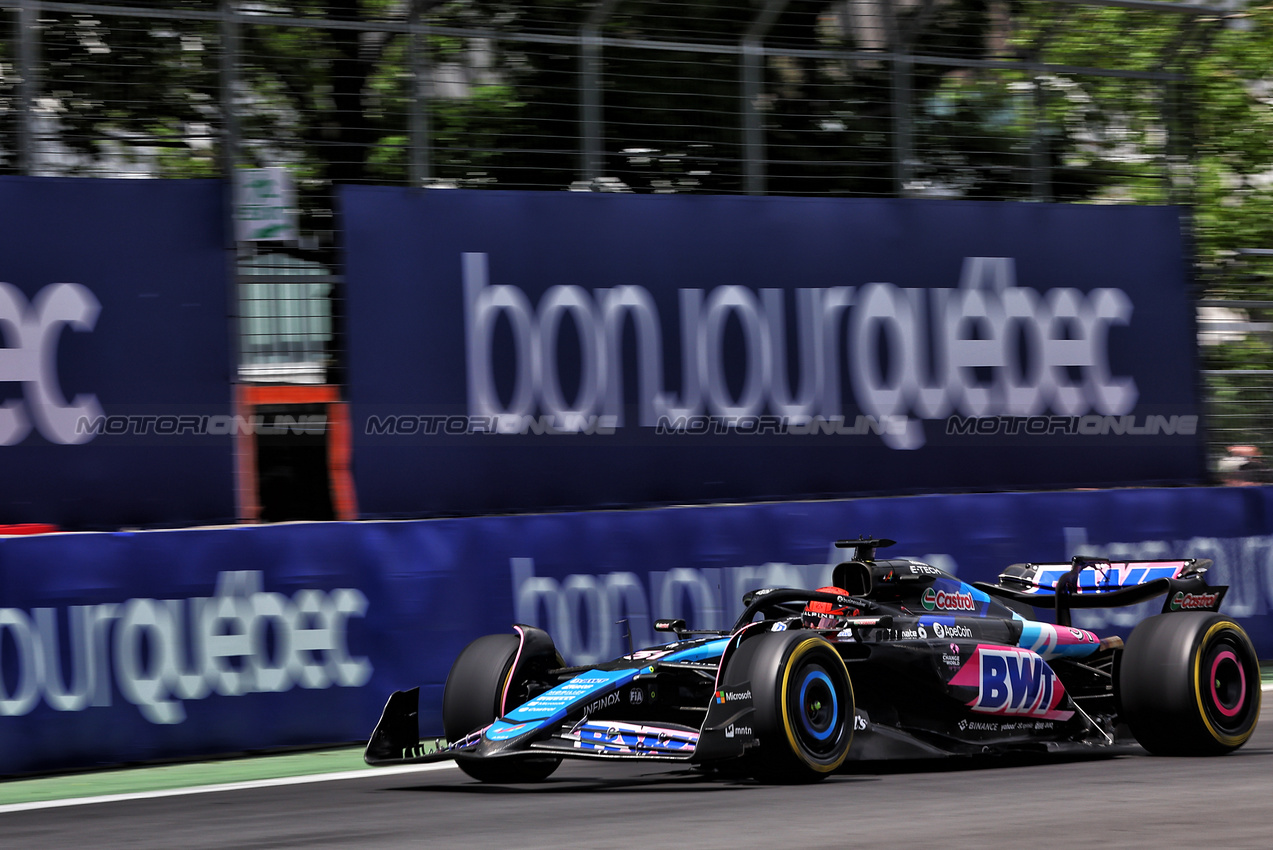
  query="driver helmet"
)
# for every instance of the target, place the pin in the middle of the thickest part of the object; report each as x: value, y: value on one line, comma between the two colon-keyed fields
x: 826, y: 615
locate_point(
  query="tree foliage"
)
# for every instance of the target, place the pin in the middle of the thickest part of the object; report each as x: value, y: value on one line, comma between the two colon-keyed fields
x: 133, y: 94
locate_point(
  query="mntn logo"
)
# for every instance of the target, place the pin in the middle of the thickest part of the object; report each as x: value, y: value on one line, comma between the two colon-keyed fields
x: 1017, y: 682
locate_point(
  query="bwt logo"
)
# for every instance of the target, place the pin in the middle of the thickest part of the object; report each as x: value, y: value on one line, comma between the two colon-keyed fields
x: 1015, y: 681
x: 986, y: 348
x: 30, y: 333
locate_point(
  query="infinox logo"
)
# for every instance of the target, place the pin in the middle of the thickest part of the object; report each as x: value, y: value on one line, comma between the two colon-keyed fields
x: 29, y: 357
x: 941, y: 600
x: 1183, y: 601
x: 603, y: 702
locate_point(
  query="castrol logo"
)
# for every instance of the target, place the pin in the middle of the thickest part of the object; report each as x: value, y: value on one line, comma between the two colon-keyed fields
x: 1194, y: 601
x: 940, y: 600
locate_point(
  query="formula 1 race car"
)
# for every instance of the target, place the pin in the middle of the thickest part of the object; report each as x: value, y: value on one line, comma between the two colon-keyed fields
x: 897, y: 660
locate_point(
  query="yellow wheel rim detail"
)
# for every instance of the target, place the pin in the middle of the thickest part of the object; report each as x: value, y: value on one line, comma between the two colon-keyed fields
x: 800, y: 650
x: 1199, y: 680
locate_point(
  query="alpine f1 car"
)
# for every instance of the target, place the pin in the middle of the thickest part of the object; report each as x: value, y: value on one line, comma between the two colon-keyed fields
x: 897, y: 660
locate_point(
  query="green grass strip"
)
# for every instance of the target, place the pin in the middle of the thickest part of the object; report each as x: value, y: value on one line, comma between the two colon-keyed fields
x: 132, y: 780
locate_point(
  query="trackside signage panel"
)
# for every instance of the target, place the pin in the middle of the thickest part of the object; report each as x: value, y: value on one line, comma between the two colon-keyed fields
x: 174, y: 644
x: 513, y: 351
x: 114, y: 353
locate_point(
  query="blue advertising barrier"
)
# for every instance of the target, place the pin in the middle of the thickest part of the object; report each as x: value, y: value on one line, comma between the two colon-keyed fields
x: 177, y: 644
x: 513, y: 351
x: 114, y: 353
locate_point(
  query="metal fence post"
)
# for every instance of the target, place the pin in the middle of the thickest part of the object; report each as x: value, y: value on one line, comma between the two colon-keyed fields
x: 229, y: 158
x: 593, y: 157
x: 28, y: 62
x: 1040, y: 149
x: 1191, y: 42
x: 420, y: 154
x: 229, y: 83
x: 752, y: 49
x: 899, y: 37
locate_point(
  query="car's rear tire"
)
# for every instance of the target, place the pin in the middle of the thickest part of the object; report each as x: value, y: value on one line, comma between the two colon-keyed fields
x: 475, y: 696
x: 803, y: 701
x: 1189, y: 684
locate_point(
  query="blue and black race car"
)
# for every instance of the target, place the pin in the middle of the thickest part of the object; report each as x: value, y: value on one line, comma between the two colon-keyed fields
x: 897, y: 659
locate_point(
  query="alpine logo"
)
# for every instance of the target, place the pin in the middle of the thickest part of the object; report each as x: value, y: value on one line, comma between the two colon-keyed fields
x: 940, y: 600
x: 1194, y: 601
x: 1012, y: 681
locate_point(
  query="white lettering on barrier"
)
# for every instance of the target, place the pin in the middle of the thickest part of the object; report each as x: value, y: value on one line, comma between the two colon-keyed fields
x: 30, y: 335
x: 241, y: 640
x: 26, y: 692
x: 972, y: 337
x: 581, y: 611
x: 57, y: 693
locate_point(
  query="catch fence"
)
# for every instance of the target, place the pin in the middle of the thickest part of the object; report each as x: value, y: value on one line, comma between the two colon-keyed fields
x: 1047, y: 100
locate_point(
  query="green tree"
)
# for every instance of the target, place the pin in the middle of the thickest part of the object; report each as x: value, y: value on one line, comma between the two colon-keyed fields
x: 334, y: 102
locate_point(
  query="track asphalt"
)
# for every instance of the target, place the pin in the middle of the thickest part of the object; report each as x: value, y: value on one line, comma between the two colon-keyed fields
x: 223, y: 774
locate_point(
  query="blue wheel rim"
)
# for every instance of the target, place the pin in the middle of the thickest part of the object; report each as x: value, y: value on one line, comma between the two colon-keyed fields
x: 826, y: 691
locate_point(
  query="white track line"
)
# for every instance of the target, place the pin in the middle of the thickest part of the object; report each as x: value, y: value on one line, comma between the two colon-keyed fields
x: 229, y: 786
x: 255, y: 783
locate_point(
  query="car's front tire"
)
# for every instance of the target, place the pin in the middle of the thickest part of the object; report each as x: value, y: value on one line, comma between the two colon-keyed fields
x: 475, y: 696
x: 1189, y: 684
x: 803, y: 700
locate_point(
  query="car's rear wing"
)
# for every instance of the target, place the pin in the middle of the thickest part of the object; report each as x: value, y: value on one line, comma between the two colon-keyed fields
x: 1101, y: 583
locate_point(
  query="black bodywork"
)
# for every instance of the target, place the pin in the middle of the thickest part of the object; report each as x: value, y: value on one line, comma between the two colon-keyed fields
x: 936, y: 667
